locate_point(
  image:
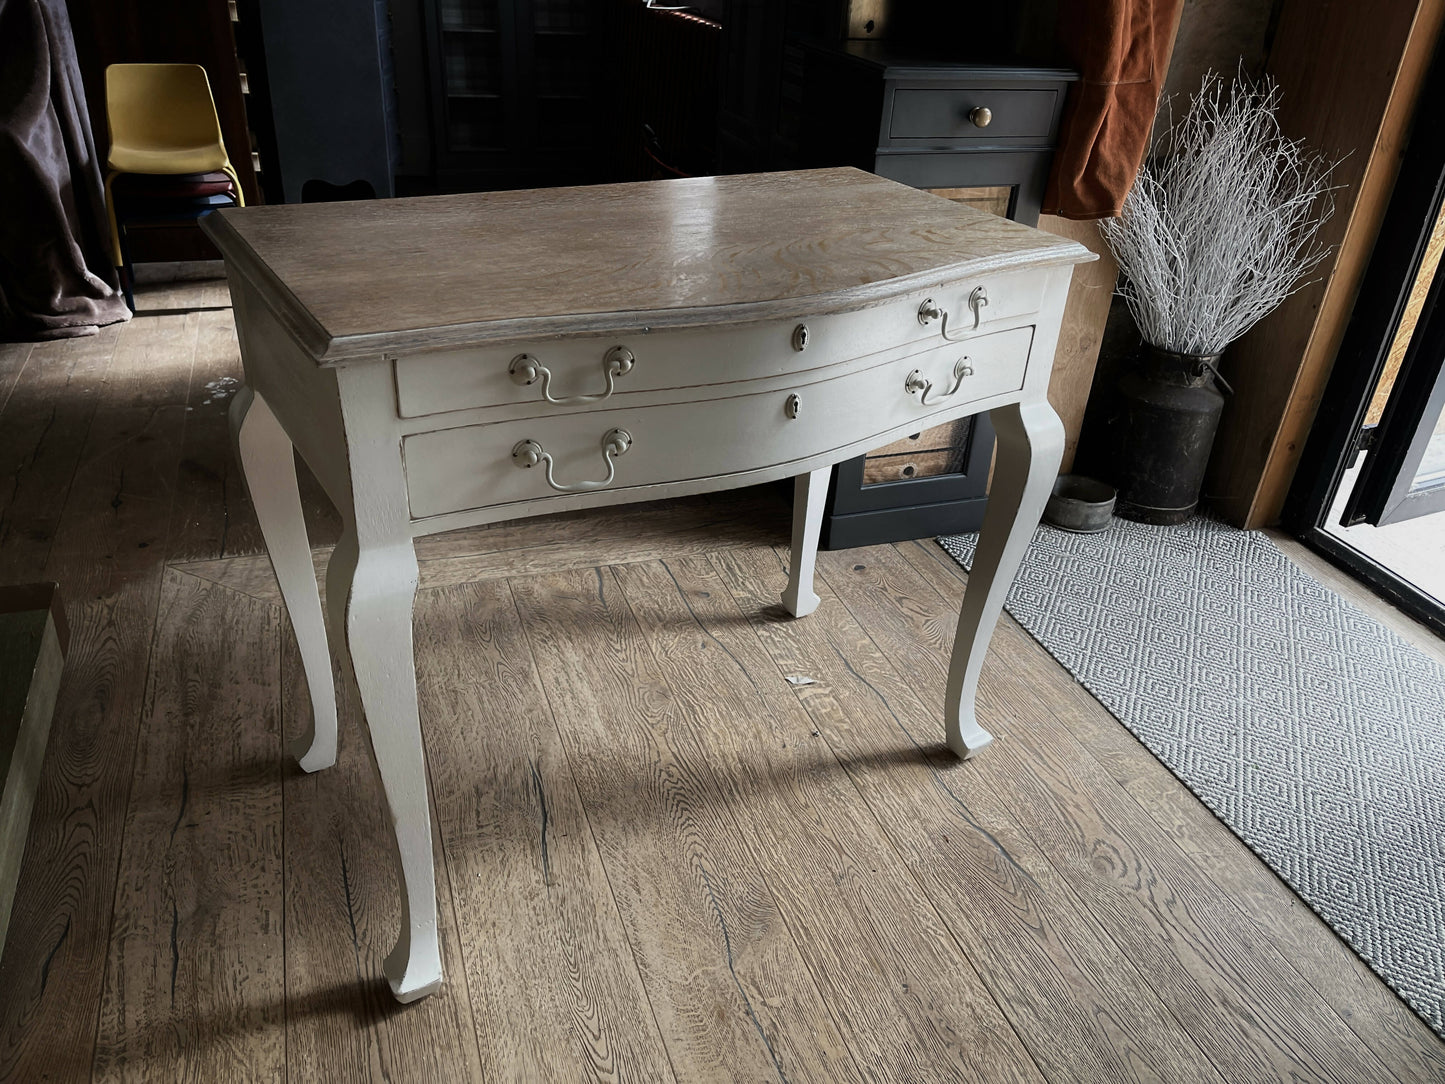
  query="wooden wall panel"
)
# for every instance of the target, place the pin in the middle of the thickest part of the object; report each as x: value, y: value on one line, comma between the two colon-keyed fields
x: 1217, y: 35
x: 1086, y: 313
x: 1351, y: 74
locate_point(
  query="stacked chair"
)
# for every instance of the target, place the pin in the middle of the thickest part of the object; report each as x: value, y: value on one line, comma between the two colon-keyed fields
x: 167, y: 160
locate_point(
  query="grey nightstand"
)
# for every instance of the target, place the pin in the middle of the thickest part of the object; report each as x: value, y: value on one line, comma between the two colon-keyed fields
x: 981, y: 134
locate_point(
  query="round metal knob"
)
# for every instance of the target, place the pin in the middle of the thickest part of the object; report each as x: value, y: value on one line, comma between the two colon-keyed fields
x: 527, y: 453
x: 981, y: 115
x: 619, y: 359
x: 615, y: 442
x: 524, y: 369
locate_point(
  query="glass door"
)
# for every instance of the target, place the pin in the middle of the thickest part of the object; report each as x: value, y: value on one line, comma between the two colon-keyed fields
x: 1403, y: 476
x: 1369, y: 493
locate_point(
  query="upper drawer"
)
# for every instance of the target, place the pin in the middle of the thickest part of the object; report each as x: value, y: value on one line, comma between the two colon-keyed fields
x: 1016, y: 115
x: 582, y: 370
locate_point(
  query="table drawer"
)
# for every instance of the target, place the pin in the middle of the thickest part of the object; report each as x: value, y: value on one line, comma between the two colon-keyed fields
x: 1023, y: 115
x: 479, y: 465
x: 443, y: 381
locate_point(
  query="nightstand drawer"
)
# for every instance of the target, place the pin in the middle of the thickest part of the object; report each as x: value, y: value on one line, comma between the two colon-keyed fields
x: 953, y: 114
x: 483, y: 465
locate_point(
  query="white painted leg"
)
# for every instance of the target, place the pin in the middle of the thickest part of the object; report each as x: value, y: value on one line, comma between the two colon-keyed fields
x: 809, y: 493
x: 338, y: 582
x: 1030, y: 447
x: 379, y: 585
x: 269, y: 466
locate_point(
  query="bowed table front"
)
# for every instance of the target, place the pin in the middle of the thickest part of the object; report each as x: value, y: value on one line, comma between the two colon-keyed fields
x: 457, y: 360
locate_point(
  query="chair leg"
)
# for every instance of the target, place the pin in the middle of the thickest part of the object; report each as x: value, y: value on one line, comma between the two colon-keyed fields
x: 117, y: 244
x: 127, y: 272
x: 230, y: 171
x: 110, y: 214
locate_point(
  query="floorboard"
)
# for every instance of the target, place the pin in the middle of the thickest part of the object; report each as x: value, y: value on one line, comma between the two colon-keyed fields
x: 13, y: 357
x: 534, y: 908
x: 194, y: 983
x: 342, y: 918
x: 212, y: 516
x: 42, y: 435
x: 730, y: 992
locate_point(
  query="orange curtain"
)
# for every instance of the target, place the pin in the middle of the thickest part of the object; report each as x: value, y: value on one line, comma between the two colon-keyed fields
x: 1121, y: 50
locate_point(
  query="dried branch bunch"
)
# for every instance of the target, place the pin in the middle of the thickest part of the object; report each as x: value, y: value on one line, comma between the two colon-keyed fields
x: 1222, y: 222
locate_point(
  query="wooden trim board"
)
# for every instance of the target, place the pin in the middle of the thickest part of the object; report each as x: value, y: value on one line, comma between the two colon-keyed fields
x: 33, y: 641
x: 1091, y: 292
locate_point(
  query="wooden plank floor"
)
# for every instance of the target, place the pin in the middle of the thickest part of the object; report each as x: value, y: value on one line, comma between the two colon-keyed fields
x: 680, y: 836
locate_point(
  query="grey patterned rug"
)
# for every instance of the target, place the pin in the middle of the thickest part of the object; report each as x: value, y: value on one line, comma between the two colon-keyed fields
x: 1315, y: 733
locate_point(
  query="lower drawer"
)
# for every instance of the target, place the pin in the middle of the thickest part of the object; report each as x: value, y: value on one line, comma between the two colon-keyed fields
x: 481, y: 465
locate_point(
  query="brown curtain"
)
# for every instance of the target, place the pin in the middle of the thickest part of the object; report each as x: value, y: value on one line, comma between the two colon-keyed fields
x: 1121, y: 50
x: 56, y: 277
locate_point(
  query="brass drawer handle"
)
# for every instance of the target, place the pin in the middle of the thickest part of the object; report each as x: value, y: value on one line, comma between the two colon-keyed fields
x: 981, y: 115
x: 615, y: 442
x: 525, y: 370
x: 929, y: 311
x: 915, y: 382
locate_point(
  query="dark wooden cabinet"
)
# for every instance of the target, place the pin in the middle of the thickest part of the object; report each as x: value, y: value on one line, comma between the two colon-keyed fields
x: 516, y: 94
x: 981, y: 134
x: 329, y: 116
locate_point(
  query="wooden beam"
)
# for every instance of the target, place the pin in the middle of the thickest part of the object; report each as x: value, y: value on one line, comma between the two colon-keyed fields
x: 1351, y: 76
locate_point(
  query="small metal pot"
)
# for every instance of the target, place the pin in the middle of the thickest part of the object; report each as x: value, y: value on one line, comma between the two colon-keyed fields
x: 1080, y: 504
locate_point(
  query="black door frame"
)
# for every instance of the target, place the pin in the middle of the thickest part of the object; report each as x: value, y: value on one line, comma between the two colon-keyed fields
x: 1335, y: 438
x: 1385, y: 492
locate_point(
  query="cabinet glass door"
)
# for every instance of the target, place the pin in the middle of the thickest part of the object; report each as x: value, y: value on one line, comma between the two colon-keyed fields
x: 472, y: 75
x: 565, y: 60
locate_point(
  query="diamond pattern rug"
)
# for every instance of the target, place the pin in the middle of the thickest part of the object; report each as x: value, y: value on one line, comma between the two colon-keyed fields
x: 1315, y: 733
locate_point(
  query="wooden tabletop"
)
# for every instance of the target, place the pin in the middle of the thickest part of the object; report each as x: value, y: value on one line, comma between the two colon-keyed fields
x: 354, y: 279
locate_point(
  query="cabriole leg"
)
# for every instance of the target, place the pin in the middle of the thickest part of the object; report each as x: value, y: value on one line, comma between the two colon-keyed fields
x: 378, y: 584
x: 1030, y: 447
x: 269, y: 466
x: 809, y: 493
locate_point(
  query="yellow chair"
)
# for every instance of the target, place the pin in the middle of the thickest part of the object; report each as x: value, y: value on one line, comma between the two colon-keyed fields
x: 162, y: 119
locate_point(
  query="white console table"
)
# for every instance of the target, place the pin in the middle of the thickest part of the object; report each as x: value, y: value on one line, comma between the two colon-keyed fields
x: 457, y: 360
